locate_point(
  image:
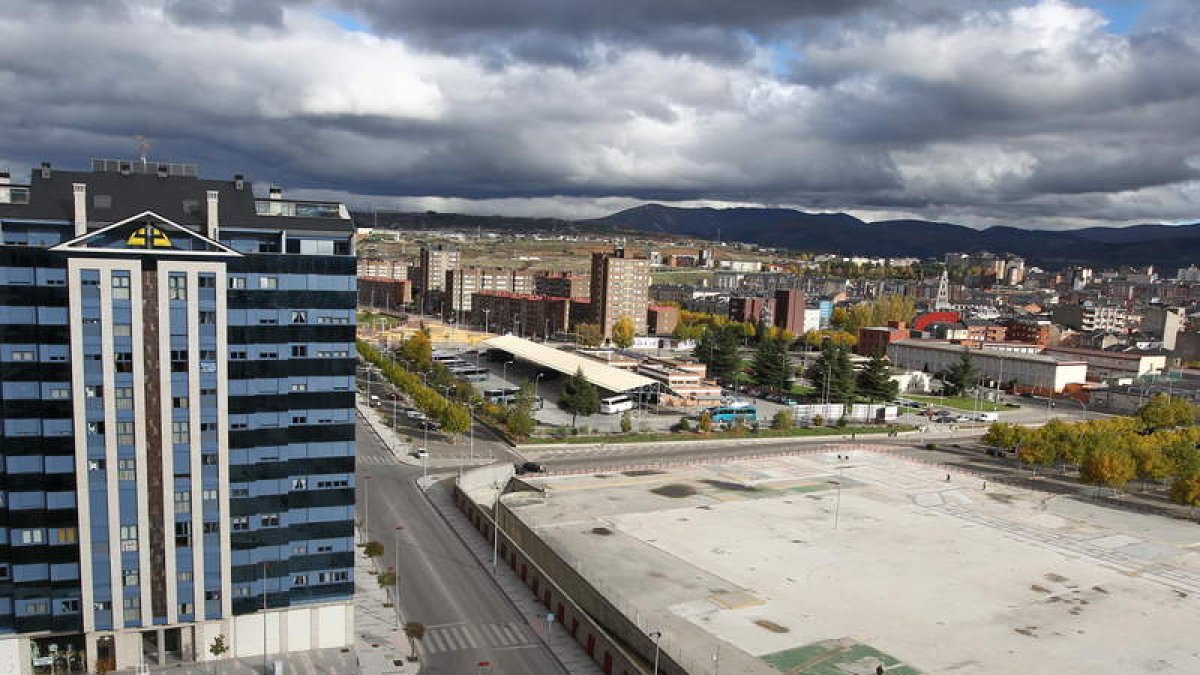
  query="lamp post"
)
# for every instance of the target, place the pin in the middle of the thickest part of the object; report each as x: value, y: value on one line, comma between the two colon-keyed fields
x: 536, y: 381
x: 656, y: 636
x: 264, y: 608
x: 496, y: 527
x: 837, y: 509
x: 504, y: 370
x: 396, y: 579
x: 486, y: 311
x: 366, y: 528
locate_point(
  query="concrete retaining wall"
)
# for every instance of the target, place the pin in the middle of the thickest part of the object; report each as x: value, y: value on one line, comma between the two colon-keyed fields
x: 608, y: 636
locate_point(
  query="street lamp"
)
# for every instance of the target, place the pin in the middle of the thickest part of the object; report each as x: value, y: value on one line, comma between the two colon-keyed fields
x: 837, y: 510
x: 536, y: 381
x: 504, y: 370
x: 396, y: 578
x: 656, y: 636
x: 486, y: 311
x: 366, y: 507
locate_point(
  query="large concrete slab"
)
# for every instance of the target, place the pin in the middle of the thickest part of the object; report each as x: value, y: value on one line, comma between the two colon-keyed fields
x: 743, y: 561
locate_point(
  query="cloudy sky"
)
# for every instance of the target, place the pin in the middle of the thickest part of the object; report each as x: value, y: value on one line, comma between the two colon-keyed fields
x: 1032, y: 113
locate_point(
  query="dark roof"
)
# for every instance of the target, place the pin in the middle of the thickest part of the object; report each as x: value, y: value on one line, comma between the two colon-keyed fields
x: 130, y: 194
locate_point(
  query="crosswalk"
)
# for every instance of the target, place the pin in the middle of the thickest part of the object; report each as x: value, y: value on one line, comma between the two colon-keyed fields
x: 377, y: 460
x: 461, y: 636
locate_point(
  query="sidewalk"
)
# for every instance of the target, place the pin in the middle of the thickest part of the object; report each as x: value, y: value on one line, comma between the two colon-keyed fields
x: 401, y: 448
x: 568, y: 652
x: 380, y: 645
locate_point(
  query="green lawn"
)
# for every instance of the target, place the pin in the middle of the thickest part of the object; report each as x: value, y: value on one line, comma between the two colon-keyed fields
x: 959, y: 403
x: 655, y: 437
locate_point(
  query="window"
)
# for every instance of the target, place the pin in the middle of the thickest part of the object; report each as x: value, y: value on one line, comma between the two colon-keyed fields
x: 191, y: 207
x: 96, y: 464
x: 269, y: 520
x: 132, y: 602
x: 30, y: 536
x: 208, y: 495
x: 123, y: 397
x: 300, y: 549
x: 183, y: 501
x: 240, y: 523
x: 185, y: 608
x: 299, y: 317
x: 3, y: 571
x: 300, y: 484
x: 60, y: 393
x: 207, y: 426
x: 126, y: 469
x: 208, y: 355
x: 179, y: 402
x: 66, y: 535
x: 102, y: 605
x: 180, y: 432
x: 101, y: 201
x: 122, y: 330
x: 129, y: 578
x: 123, y: 361
x: 37, y: 607
x: 184, y: 577
x: 208, y: 318
x: 268, y: 321
x: 129, y: 538
x: 212, y: 595
x: 327, y: 577
x: 212, y: 527
x: 299, y: 386
x: 325, y: 548
x: 68, y: 606
x: 177, y: 287
x: 299, y: 419
x: 241, y: 592
x: 237, y: 282
x: 179, y: 359
x: 124, y: 433
x: 24, y: 355
x: 208, y: 459
x: 208, y: 391
x: 239, y: 492
x: 268, y: 282
x: 93, y: 391
x: 268, y: 355
x: 183, y: 534
x: 237, y: 355
x: 120, y: 286
x: 95, y: 428
x: 299, y: 351
x: 300, y: 580
x: 207, y: 281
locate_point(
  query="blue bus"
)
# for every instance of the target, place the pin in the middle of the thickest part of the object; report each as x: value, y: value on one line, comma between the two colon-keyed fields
x: 731, y: 414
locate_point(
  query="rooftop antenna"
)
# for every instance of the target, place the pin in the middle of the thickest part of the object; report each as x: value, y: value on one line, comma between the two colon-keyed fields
x: 143, y: 146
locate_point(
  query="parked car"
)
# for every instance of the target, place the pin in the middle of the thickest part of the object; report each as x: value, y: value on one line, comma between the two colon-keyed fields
x: 529, y: 467
x: 416, y: 415
x: 419, y: 454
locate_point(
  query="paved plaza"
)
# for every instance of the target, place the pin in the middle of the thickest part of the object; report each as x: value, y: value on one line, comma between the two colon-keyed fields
x: 815, y: 564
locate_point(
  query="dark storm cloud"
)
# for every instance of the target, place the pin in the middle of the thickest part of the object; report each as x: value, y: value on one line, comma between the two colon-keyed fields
x: 1027, y: 111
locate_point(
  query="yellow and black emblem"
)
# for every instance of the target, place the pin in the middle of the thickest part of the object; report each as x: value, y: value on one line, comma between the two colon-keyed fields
x: 148, y: 236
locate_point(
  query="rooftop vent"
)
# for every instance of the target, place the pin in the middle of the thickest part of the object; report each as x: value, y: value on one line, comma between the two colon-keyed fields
x: 239, y: 181
x: 45, y: 170
x: 275, y: 192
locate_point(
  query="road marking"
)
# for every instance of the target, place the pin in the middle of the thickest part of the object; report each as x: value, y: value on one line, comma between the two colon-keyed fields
x: 461, y: 637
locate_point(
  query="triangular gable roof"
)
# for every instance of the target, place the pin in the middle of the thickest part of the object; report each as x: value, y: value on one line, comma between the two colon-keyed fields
x: 148, y: 233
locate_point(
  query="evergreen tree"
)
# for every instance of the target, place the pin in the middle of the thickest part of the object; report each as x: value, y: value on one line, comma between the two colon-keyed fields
x: 579, y: 397
x: 959, y: 377
x: 718, y: 349
x: 875, y: 381
x: 832, y: 373
x: 772, y: 366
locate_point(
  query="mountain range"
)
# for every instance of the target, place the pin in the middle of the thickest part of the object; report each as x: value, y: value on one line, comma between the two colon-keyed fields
x: 1166, y: 246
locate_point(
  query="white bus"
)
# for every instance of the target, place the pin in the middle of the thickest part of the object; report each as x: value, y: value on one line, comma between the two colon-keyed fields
x: 615, y: 404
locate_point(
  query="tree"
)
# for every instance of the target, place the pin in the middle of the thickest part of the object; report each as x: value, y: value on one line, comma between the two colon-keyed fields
x: 718, y: 349
x: 622, y: 332
x: 772, y: 366
x: 579, y: 397
x: 219, y: 647
x: 1186, y: 489
x: 1152, y: 462
x: 626, y: 422
x: 705, y: 423
x: 1005, y: 435
x: 589, y: 334
x: 959, y: 377
x: 386, y: 579
x: 1165, y: 412
x: 875, y: 381
x: 417, y: 350
x: 831, y: 373
x: 1107, y: 466
x: 414, y: 632
x: 519, y: 418
x: 782, y: 420
x: 373, y: 549
x: 455, y: 419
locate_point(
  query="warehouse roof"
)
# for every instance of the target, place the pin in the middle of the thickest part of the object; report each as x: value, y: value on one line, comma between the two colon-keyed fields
x: 601, y: 375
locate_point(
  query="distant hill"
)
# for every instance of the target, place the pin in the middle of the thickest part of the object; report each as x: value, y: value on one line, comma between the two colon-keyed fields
x: 1163, y: 245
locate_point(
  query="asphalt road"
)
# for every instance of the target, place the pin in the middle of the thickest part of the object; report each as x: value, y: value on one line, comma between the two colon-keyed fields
x: 468, y: 620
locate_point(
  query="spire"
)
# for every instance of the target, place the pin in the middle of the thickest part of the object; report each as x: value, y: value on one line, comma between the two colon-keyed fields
x: 943, y: 293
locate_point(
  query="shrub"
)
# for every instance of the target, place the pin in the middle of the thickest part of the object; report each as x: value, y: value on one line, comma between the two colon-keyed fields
x: 842, y: 421
x: 818, y: 421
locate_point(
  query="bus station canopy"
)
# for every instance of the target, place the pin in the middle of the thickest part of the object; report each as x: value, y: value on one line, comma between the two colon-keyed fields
x: 599, y: 374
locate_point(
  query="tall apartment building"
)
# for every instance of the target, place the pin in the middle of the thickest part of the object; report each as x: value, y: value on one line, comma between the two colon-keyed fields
x: 380, y: 268
x: 522, y: 314
x: 620, y: 288
x: 462, y: 283
x: 789, y: 311
x: 177, y: 411
x: 562, y: 285
x: 431, y: 275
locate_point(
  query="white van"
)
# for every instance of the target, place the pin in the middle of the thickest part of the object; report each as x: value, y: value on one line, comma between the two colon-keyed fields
x: 615, y: 404
x: 987, y: 417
